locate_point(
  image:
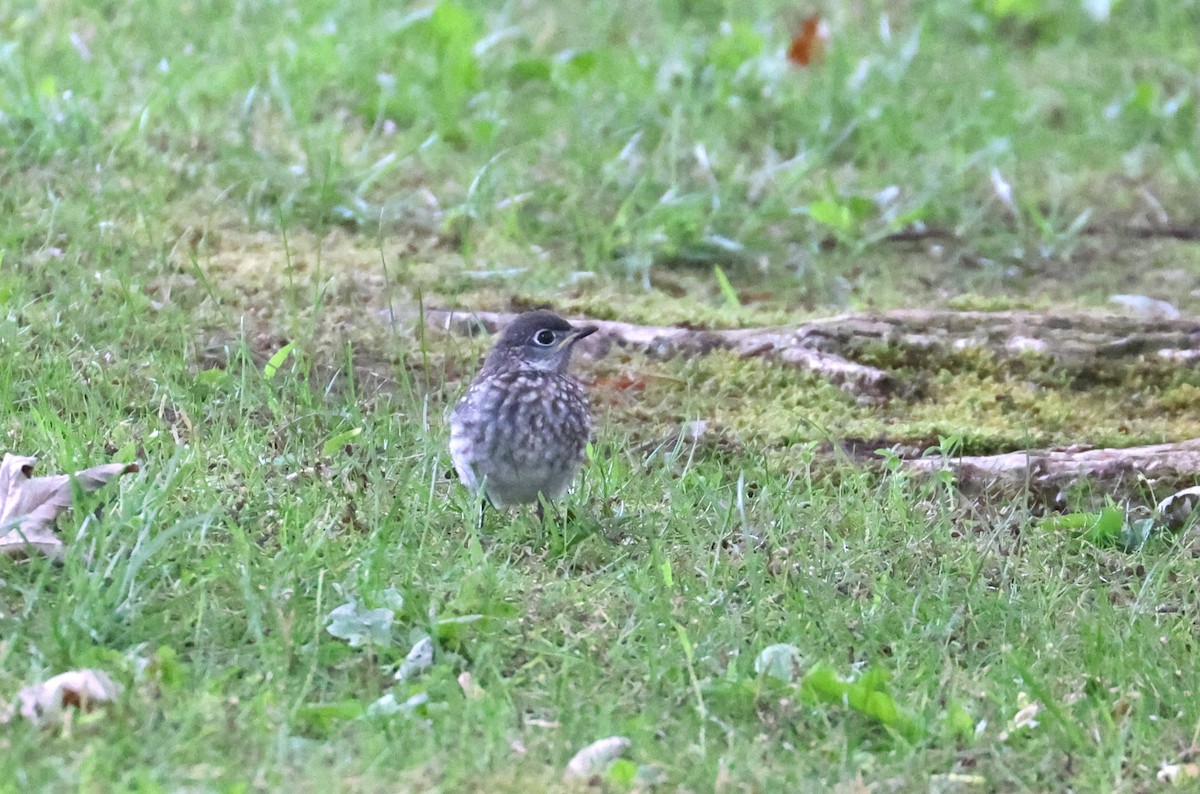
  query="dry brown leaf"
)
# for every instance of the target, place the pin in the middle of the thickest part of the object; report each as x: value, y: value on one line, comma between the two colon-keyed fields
x: 29, y: 505
x: 44, y: 703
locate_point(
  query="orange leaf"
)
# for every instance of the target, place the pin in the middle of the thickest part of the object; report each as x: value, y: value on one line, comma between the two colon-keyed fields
x: 620, y: 381
x: 808, y: 45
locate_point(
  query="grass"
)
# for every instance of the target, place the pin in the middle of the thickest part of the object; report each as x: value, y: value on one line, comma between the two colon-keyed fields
x: 189, y: 188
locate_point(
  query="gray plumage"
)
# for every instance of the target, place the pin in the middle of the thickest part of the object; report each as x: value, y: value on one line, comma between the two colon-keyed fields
x: 523, y: 424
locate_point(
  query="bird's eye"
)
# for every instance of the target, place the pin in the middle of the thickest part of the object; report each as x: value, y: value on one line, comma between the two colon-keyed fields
x: 544, y: 337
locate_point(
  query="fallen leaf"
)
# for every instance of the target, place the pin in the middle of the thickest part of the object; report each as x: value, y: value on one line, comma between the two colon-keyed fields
x: 388, y: 706
x: 418, y: 660
x: 471, y: 689
x: 360, y: 626
x: 1178, y: 773
x: 596, y: 757
x: 1026, y: 717
x: 1177, y: 508
x: 782, y: 661
x: 44, y: 703
x: 29, y: 505
x: 808, y: 44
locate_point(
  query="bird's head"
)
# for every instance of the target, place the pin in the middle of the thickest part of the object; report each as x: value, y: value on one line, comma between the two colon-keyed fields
x: 538, y: 340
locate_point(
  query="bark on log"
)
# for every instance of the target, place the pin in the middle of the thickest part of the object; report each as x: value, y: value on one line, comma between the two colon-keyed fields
x: 829, y: 346
x: 1054, y: 469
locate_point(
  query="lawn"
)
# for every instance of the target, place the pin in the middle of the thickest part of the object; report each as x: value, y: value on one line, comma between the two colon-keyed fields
x: 223, y: 223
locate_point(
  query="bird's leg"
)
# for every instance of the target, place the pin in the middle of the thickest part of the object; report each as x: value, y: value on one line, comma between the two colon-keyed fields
x: 477, y: 540
x: 484, y: 500
x: 546, y: 507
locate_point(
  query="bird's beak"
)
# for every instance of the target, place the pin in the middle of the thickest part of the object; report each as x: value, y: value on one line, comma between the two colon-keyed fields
x: 579, y: 333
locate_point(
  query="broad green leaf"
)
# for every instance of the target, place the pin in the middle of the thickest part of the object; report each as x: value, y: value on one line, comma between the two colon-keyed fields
x: 832, y: 214
x: 452, y: 22
x: 859, y: 208
x: 322, y: 715
x: 276, y: 361
x: 958, y: 725
x: 822, y: 682
x: 166, y: 668
x: 339, y: 440
x: 575, y: 66
x: 667, y: 577
x: 874, y: 679
x: 623, y: 773
x: 866, y: 695
x: 1145, y: 98
x: 1107, y: 527
x: 1101, y: 528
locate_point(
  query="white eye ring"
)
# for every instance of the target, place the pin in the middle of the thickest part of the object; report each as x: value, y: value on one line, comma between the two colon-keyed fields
x: 544, y: 338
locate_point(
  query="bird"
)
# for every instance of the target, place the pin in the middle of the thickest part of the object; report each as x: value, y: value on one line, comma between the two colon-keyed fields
x: 519, y: 432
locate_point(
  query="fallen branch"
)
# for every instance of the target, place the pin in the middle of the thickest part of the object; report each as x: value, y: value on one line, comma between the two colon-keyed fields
x: 1164, y: 231
x: 1169, y: 464
x: 664, y: 341
x: 829, y: 346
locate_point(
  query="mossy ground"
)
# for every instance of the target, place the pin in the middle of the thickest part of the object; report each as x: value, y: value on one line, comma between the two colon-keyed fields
x: 343, y: 290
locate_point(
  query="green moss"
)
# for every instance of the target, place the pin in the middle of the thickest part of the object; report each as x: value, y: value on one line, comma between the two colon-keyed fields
x: 977, y: 302
x: 990, y: 405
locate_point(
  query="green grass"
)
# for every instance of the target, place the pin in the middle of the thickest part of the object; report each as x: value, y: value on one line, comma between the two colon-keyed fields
x: 189, y: 188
